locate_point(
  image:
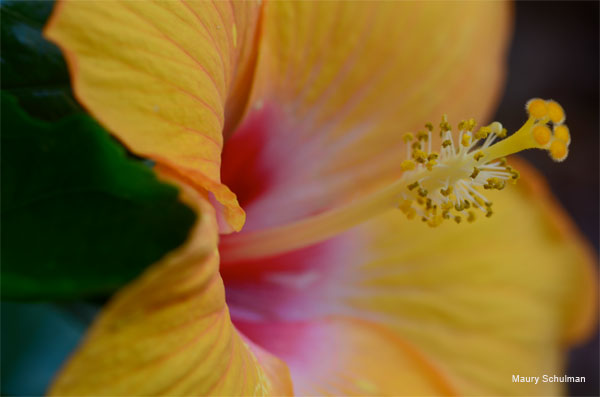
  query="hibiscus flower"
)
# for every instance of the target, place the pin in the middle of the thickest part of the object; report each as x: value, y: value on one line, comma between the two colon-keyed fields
x: 283, y: 124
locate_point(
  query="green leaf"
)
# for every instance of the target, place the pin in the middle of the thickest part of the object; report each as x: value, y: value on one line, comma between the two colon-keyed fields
x: 33, y: 69
x: 79, y: 218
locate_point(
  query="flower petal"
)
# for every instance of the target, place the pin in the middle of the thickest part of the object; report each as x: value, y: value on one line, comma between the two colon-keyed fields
x: 338, y: 83
x: 485, y: 301
x: 169, y: 333
x: 340, y: 357
x: 164, y: 77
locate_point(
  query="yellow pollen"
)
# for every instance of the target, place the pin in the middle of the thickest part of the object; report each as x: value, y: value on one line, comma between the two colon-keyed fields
x: 422, y: 136
x: 470, y: 124
x: 408, y: 165
x: 471, y: 217
x: 431, y: 164
x: 419, y: 156
x: 466, y: 140
x: 542, y: 134
x: 437, y: 184
x: 562, y: 132
x: 556, y: 112
x: 537, y: 108
x: 558, y: 150
x: 444, y: 125
x: 483, y: 132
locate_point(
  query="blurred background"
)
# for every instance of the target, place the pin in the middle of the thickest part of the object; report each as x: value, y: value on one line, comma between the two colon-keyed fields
x: 554, y: 54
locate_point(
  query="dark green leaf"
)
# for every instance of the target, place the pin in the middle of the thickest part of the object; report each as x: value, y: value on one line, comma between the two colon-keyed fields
x: 79, y: 218
x: 33, y: 69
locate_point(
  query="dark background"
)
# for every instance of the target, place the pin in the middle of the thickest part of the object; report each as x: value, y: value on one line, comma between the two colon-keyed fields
x: 554, y: 54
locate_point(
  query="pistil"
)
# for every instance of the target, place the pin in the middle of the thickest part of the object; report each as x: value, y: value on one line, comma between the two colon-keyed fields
x: 435, y: 186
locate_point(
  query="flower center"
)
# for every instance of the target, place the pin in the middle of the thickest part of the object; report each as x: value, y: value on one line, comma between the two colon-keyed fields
x: 436, y: 186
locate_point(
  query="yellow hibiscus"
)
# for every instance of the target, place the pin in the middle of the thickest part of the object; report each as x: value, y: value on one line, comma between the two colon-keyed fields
x: 299, y: 108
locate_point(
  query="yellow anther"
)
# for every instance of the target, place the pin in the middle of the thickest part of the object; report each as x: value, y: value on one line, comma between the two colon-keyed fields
x: 422, y: 136
x: 419, y: 156
x: 408, y: 165
x: 515, y: 175
x: 413, y: 185
x: 541, y: 134
x: 429, y: 126
x: 471, y: 217
x: 444, y: 125
x: 537, y: 108
x: 466, y: 140
x: 475, y: 172
x: 447, y: 206
x: 435, y: 221
x: 503, y: 133
x: 406, y: 207
x: 433, y: 156
x: 477, y: 156
x: 446, y: 143
x: 428, y: 201
x: 470, y: 124
x: 422, y: 192
x: 558, y: 150
x: 416, y: 145
x: 467, y: 125
x: 446, y: 192
x: 408, y: 137
x: 482, y: 133
x: 494, y: 183
x: 562, y: 132
x: 555, y: 112
x: 430, y: 164
x: 457, y: 219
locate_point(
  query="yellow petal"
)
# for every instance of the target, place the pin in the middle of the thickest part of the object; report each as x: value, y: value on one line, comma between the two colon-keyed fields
x: 485, y: 301
x: 164, y: 77
x: 170, y: 333
x: 340, y: 356
x: 338, y: 83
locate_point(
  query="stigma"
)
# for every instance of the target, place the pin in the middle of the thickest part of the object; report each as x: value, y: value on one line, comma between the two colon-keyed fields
x: 447, y: 183
x: 450, y: 183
